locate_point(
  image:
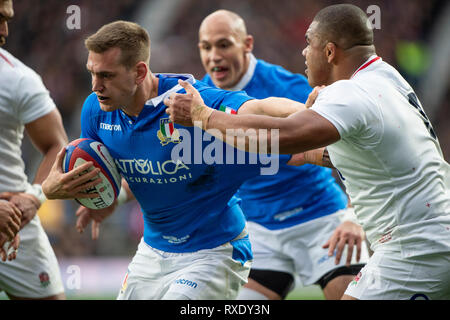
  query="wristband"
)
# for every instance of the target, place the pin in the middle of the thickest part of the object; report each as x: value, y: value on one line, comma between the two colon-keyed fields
x: 122, y: 197
x: 36, y: 190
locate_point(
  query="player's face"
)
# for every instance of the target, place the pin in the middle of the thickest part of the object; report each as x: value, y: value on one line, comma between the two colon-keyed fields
x: 317, y: 70
x: 223, y: 54
x: 112, y: 82
x: 6, y: 14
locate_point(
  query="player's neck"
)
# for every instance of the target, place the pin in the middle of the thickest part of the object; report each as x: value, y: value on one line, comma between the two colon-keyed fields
x: 351, y: 61
x: 146, y: 91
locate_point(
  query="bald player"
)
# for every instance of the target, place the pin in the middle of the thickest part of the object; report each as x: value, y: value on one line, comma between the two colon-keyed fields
x: 293, y: 214
x: 383, y: 144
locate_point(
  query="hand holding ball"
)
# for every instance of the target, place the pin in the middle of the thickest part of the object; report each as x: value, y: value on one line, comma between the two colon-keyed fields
x: 85, y: 150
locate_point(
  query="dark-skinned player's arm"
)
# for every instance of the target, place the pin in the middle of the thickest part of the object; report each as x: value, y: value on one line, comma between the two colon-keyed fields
x: 299, y: 132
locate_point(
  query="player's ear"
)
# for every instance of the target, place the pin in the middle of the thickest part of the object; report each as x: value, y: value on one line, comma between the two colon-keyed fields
x: 141, y: 72
x: 248, y: 41
x: 330, y: 51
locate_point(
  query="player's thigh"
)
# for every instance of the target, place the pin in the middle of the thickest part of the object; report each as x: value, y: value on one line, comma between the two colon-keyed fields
x: 388, y: 276
x: 206, y: 274
x: 212, y: 274
x: 267, y: 248
x: 35, y: 273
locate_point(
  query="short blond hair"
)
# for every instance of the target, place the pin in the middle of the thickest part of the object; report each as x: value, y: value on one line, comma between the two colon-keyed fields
x: 131, y: 38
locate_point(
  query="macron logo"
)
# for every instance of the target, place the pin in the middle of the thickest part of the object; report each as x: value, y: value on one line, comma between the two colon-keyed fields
x: 186, y: 282
x: 110, y: 127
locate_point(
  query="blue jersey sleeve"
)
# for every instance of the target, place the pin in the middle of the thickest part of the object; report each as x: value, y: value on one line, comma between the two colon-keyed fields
x: 88, y: 128
x: 222, y: 99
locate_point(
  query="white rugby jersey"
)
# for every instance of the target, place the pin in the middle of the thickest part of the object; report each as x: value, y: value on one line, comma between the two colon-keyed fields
x: 23, y: 99
x: 389, y: 160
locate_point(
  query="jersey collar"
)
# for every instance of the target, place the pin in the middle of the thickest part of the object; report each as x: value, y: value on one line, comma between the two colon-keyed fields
x: 369, y: 61
x: 247, y: 76
x: 183, y: 76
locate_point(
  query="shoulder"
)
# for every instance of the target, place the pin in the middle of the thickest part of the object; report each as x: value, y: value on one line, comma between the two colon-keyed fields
x: 279, y: 73
x: 91, y: 103
x: 277, y: 81
x: 16, y: 73
x: 342, y: 92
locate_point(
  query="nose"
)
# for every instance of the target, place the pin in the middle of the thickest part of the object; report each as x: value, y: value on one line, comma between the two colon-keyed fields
x: 304, y: 52
x: 215, y: 55
x: 97, y: 85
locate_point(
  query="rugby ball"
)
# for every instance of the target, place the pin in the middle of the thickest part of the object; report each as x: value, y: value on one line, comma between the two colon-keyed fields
x: 84, y: 150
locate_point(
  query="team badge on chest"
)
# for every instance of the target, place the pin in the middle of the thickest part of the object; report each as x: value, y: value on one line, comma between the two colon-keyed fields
x: 167, y: 132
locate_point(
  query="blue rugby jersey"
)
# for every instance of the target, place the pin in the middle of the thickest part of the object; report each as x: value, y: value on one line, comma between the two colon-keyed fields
x: 296, y: 194
x: 186, y: 207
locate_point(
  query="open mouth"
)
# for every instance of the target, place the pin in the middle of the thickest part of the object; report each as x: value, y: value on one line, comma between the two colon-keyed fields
x: 102, y: 98
x: 219, y: 72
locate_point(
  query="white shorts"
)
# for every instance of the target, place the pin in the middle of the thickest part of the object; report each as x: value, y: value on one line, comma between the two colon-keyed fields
x: 35, y: 272
x: 388, y: 276
x: 205, y: 274
x: 298, y: 249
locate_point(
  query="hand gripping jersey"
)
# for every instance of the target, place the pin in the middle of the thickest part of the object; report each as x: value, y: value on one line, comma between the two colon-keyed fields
x: 389, y: 159
x: 295, y: 194
x: 185, y: 204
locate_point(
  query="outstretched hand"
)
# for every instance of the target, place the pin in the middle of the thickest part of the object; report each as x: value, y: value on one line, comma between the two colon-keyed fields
x: 86, y: 215
x: 346, y: 233
x: 70, y: 185
x: 313, y: 96
x: 187, y: 109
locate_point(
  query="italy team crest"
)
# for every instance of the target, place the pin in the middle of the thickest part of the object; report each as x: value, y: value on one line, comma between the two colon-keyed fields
x: 167, y: 132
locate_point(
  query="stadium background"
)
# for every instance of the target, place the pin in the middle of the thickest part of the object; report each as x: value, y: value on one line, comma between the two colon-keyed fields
x: 414, y: 37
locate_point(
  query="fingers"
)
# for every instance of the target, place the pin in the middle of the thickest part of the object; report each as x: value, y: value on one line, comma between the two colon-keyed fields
x: 3, y: 254
x: 15, y: 243
x: 59, y: 159
x: 12, y: 248
x: 17, y: 216
x: 81, y: 174
x: 331, y: 244
x: 6, y: 195
x: 313, y: 96
x: 358, y: 249
x: 83, y: 220
x: 187, y: 87
x: 349, y: 253
x: 11, y: 230
x: 80, y: 191
x: 340, y: 250
x: 95, y: 230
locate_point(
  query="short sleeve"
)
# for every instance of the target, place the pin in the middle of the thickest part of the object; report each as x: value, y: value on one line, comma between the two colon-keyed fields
x: 34, y: 100
x: 222, y: 99
x: 351, y: 111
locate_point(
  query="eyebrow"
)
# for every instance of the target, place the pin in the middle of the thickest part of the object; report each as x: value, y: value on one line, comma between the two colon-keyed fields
x: 102, y: 73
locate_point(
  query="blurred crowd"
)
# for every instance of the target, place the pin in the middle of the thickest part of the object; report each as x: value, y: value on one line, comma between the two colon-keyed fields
x: 41, y: 39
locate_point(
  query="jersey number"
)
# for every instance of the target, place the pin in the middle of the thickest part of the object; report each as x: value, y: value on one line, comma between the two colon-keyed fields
x: 412, y: 99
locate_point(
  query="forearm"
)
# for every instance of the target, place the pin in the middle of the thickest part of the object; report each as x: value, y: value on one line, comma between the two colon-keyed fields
x: 319, y: 157
x: 47, y: 163
x: 300, y: 132
x: 273, y: 106
x: 125, y: 194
